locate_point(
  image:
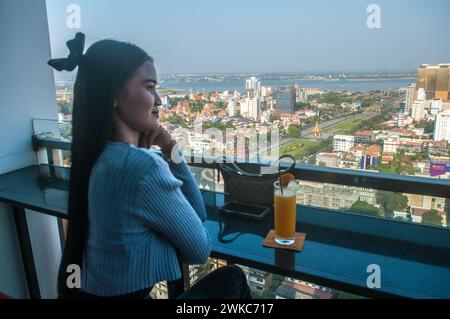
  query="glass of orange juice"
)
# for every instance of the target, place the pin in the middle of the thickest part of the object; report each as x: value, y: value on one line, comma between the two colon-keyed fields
x: 285, y: 212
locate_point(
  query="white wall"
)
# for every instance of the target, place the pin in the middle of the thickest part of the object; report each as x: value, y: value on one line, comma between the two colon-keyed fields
x: 26, y: 91
x: 12, y: 277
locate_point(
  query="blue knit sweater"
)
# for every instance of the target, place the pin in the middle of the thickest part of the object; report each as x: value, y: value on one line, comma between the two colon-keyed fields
x: 142, y: 211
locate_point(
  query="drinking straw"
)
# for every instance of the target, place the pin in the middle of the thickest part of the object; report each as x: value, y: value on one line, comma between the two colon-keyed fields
x: 279, y: 178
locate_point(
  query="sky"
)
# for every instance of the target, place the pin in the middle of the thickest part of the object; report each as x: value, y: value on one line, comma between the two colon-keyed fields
x: 260, y: 36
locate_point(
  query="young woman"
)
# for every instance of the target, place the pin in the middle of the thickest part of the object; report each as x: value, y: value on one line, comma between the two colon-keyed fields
x: 133, y: 214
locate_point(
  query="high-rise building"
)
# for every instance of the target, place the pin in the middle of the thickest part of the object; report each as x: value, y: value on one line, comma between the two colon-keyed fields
x: 285, y: 100
x: 421, y: 94
x: 401, y: 115
x: 253, y: 85
x: 251, y: 107
x: 436, y: 106
x: 410, y: 92
x: 165, y: 101
x: 435, y: 80
x: 303, y: 96
x: 231, y: 108
x: 343, y: 143
x: 418, y: 112
x: 442, y: 126
x: 400, y: 118
x: 265, y: 116
x: 266, y: 91
x: 254, y: 108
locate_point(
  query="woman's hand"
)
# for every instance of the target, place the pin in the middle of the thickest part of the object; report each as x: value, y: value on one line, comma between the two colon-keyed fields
x: 160, y: 138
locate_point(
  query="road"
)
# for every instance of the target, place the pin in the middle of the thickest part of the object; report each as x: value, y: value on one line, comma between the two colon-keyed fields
x: 307, y: 133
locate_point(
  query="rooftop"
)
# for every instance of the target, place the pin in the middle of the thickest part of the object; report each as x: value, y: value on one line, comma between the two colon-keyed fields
x: 329, y: 155
x: 314, y: 292
x: 373, y: 150
x: 364, y: 133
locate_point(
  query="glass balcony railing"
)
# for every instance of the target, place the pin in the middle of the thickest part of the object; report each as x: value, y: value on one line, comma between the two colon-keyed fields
x: 370, y: 193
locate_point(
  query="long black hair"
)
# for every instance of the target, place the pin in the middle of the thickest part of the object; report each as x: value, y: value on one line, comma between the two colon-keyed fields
x: 102, y: 73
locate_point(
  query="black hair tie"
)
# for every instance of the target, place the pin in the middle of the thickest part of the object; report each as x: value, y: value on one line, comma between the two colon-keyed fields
x: 76, y: 47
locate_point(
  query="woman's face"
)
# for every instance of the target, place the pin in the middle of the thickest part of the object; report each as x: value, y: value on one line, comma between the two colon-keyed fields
x: 137, y: 103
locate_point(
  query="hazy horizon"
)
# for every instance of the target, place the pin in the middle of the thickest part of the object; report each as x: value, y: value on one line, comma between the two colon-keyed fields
x: 64, y: 75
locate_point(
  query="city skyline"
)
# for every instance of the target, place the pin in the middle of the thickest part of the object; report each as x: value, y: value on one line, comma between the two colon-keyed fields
x: 203, y: 38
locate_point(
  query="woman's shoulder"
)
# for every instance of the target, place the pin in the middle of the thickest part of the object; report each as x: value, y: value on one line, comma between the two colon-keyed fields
x: 138, y: 159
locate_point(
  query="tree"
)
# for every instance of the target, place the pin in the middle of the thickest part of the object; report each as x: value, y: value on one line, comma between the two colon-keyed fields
x: 368, y: 102
x: 196, y: 106
x: 65, y: 107
x: 175, y: 100
x: 220, y: 126
x: 345, y: 295
x: 428, y: 126
x: 304, y: 106
x: 447, y: 209
x: 432, y: 217
x: 333, y: 98
x: 392, y: 202
x: 172, y: 120
x: 220, y: 105
x: 364, y: 208
x: 293, y: 131
x: 275, y: 118
x: 419, y: 156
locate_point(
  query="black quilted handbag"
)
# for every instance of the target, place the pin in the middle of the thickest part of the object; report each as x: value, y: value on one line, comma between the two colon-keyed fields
x: 251, y: 188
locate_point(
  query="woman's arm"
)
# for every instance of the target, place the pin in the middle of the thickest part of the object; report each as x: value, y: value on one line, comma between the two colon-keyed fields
x: 190, y: 189
x: 166, y: 210
x: 177, y: 165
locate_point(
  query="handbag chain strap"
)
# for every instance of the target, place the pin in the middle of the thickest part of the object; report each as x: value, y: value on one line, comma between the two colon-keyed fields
x: 235, y: 169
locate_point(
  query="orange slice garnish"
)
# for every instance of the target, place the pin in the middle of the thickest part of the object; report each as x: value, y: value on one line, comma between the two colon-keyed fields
x: 286, y: 178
